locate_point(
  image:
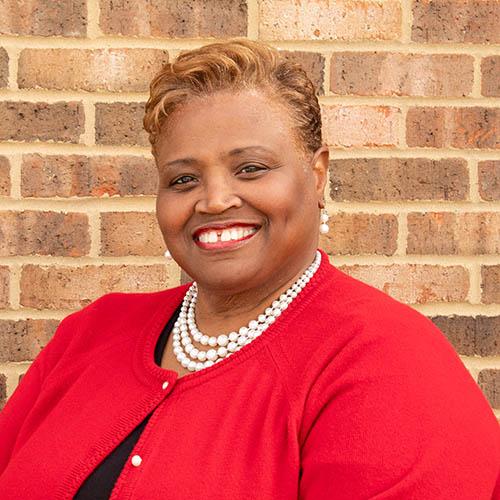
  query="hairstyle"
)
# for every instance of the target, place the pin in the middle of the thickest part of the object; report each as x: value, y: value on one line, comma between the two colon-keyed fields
x: 235, y: 65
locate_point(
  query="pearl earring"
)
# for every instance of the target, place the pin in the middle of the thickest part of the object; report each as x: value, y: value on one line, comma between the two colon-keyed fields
x: 167, y: 254
x: 324, y: 227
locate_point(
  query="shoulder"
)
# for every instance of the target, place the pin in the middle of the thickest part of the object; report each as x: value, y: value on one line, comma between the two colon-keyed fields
x: 111, y: 318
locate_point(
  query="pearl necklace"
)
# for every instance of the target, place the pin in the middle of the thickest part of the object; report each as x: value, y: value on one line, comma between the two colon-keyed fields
x: 223, y: 345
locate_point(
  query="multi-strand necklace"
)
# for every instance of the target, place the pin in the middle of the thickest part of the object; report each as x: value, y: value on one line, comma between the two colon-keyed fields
x: 222, y: 346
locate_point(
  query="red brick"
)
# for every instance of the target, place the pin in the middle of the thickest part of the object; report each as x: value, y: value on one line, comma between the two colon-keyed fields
x: 490, y: 73
x: 471, y: 127
x: 76, y: 175
x: 470, y: 21
x: 130, y: 233
x: 489, y: 180
x: 44, y: 233
x: 4, y: 67
x: 489, y: 382
x: 22, y: 340
x: 120, y: 123
x: 115, y: 70
x: 390, y: 179
x: 358, y: 234
x: 471, y: 335
x: 312, y: 63
x: 4, y: 176
x: 449, y: 233
x: 30, y: 121
x: 490, y: 284
x: 65, y: 287
x: 320, y: 20
x: 44, y: 18
x: 360, y: 126
x: 193, y: 19
x: 3, y: 390
x: 415, y: 283
x: 4, y: 287
x: 392, y: 73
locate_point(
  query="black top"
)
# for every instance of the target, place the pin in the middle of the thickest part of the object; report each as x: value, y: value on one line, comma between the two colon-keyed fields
x: 100, y: 484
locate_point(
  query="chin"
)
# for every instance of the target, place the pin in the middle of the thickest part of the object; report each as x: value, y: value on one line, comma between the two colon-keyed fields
x: 226, y: 275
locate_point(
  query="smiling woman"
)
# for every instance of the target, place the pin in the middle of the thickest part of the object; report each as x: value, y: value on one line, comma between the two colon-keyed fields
x: 273, y: 375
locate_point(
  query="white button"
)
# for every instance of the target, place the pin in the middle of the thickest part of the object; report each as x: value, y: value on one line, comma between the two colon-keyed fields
x: 164, y: 385
x: 136, y: 460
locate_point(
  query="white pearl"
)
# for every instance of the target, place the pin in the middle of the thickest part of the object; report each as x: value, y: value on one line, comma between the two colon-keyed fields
x: 222, y: 340
x: 185, y: 327
x: 136, y: 460
x: 324, y: 217
x: 324, y: 228
x: 211, y: 354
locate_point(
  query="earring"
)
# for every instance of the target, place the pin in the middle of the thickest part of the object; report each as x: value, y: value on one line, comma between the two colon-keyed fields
x: 167, y: 254
x: 324, y: 217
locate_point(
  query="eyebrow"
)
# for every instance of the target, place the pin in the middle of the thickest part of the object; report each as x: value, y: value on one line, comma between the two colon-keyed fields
x: 234, y: 152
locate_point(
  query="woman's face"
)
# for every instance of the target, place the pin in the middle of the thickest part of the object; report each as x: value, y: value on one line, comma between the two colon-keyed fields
x: 238, y: 201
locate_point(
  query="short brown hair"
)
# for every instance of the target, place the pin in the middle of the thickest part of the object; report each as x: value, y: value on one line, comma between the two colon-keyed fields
x: 235, y: 64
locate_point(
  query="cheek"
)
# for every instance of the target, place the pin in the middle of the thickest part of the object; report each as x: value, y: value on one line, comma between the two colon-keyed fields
x: 169, y: 215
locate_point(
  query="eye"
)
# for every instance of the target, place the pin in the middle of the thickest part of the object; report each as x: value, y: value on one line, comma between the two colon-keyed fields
x: 183, y: 179
x: 252, y: 168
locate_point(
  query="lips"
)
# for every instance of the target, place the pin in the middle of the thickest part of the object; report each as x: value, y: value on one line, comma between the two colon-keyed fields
x: 224, y: 236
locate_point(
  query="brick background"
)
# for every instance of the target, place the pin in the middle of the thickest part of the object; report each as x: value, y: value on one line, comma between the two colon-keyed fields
x: 410, y: 102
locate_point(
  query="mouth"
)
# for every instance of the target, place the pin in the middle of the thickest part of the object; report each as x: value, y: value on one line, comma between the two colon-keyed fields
x: 232, y: 236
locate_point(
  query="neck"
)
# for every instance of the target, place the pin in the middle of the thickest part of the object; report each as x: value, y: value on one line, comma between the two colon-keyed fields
x: 219, y: 312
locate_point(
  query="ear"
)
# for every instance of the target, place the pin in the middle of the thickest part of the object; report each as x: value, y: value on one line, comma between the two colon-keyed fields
x: 319, y: 164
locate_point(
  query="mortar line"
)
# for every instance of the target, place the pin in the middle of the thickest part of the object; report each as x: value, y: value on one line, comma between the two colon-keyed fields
x: 15, y: 176
x: 406, y: 21
x: 109, y: 41
x: 327, y: 75
x: 253, y: 19
x: 54, y: 95
x: 15, y: 286
x: 147, y: 204
x: 474, y: 283
x: 88, y: 136
x: 476, y: 84
x: 13, y: 54
x: 54, y: 148
x: 473, y: 181
x: 95, y: 233
x: 402, y: 234
x: 93, y: 14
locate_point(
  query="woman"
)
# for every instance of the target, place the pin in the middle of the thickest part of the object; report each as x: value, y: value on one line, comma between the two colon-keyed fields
x: 274, y: 375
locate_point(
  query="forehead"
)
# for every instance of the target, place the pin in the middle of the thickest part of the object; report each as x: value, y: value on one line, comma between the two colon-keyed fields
x: 227, y: 120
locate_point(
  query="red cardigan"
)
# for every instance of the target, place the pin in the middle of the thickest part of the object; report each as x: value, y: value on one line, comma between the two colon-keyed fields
x: 349, y: 395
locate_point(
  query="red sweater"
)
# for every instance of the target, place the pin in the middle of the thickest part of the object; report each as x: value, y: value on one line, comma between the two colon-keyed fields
x: 349, y: 395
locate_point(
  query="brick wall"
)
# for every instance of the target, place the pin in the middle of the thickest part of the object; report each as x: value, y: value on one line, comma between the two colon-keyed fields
x: 410, y: 95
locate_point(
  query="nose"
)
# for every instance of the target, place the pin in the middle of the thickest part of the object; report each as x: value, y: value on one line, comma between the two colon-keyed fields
x: 218, y: 196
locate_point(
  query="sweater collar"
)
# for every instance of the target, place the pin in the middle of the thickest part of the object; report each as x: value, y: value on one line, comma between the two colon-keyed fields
x: 168, y: 301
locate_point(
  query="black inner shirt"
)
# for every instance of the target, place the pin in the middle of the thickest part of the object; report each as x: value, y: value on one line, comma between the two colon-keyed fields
x: 100, y: 484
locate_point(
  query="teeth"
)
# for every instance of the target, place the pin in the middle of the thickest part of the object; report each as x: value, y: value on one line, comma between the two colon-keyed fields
x: 226, y: 235
x: 232, y: 234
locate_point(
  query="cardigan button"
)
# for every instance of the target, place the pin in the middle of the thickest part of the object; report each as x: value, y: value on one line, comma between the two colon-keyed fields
x: 136, y: 460
x: 164, y: 385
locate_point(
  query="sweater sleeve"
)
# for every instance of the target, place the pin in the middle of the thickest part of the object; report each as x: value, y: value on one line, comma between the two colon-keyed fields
x: 18, y: 407
x: 398, y: 416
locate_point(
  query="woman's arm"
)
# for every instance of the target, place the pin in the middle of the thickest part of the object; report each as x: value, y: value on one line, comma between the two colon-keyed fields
x: 398, y: 416
x: 14, y: 414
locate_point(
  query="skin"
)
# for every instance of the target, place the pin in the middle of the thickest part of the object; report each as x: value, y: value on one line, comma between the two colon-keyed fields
x: 271, y: 181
